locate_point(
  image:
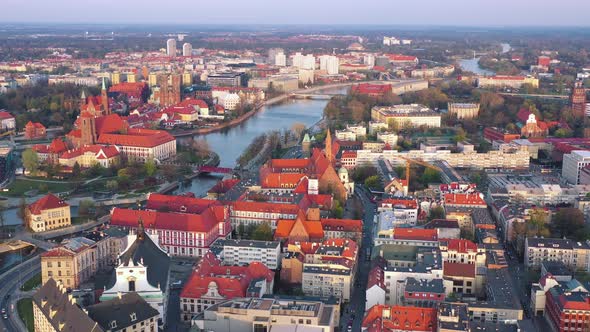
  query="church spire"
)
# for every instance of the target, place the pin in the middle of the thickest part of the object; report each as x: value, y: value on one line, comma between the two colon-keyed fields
x: 329, y: 146
x: 140, y: 229
x: 104, y: 86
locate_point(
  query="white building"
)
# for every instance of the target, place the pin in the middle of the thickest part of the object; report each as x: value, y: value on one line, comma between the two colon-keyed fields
x: 573, y: 163
x: 351, y: 133
x: 143, y: 268
x: 574, y: 255
x: 244, y: 252
x: 369, y: 60
x: 280, y: 59
x: 171, y: 47
x: 231, y: 101
x: 304, y: 61
x: 187, y: 49
x: 389, y: 138
x: 7, y: 121
x: 388, y: 41
x: 325, y: 280
x: 330, y: 64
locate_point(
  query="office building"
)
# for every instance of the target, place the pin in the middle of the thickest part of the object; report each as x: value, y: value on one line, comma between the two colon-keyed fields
x: 573, y: 163
x: 280, y: 60
x: 400, y: 116
x: 464, y: 110
x: 225, y: 79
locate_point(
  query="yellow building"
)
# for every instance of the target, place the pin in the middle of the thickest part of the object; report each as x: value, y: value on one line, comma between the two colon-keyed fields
x: 49, y: 212
x: 515, y: 82
x: 90, y: 155
x: 152, y: 79
x: 71, y: 264
x: 131, y: 77
x: 187, y: 78
x: 115, y: 78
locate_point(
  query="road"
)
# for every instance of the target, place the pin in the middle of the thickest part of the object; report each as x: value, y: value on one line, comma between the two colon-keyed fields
x: 356, y: 307
x: 10, y: 283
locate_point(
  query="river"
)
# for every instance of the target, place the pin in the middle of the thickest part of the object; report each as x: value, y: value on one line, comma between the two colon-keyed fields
x: 230, y: 143
x: 472, y: 65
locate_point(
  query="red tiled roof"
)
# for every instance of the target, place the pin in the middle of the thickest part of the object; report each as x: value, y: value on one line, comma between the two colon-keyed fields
x: 400, y: 202
x: 145, y: 138
x: 203, y: 223
x: 465, y: 199
x: 401, y: 318
x: 5, y: 115
x: 376, y: 277
x: 58, y: 252
x: 401, y: 57
x: 231, y: 281
x: 368, y: 88
x: 183, y: 204
x: 459, y: 245
x: 111, y: 123
x: 281, y: 180
x: 459, y: 270
x: 415, y: 234
x: 289, y: 163
x: 283, y: 208
x: 345, y: 225
x: 101, y: 152
x: 49, y: 201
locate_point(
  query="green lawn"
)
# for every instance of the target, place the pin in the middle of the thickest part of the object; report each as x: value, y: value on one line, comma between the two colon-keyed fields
x: 25, y: 311
x: 30, y: 284
x: 20, y: 186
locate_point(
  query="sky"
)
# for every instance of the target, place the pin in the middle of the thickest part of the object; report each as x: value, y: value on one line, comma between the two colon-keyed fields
x: 381, y: 12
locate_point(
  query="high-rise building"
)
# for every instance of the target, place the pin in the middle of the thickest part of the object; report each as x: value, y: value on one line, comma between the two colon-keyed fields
x: 171, y: 47
x: 281, y: 60
x: 272, y: 54
x: 573, y: 163
x: 369, y: 60
x: 330, y: 64
x: 187, y: 49
x: 303, y: 61
x: 578, y: 99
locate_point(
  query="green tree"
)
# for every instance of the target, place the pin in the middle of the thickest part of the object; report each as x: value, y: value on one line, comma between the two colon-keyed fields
x: 150, y: 167
x: 111, y: 185
x: 373, y: 182
x: 337, y: 210
x: 263, y: 232
x: 430, y: 176
x: 76, y: 170
x: 437, y: 212
x: 30, y: 160
x: 22, y: 210
x: 568, y: 221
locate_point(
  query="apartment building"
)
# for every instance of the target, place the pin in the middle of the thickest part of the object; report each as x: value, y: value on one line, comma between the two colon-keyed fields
x: 574, y: 255
x: 515, y: 82
x: 573, y: 163
x: 71, y: 264
x: 464, y: 110
x: 244, y: 252
x: 325, y: 280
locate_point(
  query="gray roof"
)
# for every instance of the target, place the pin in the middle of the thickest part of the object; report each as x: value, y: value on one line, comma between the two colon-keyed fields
x: 144, y: 251
x: 326, y: 270
x: 122, y: 310
x: 431, y: 286
x: 245, y: 243
x: 51, y: 297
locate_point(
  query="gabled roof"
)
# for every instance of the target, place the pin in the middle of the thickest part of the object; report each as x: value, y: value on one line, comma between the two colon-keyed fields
x: 67, y: 316
x: 125, y: 311
x: 175, y: 203
x: 202, y: 223
x: 458, y: 270
x: 344, y: 225
x: 415, y: 234
x: 231, y: 281
x: 5, y: 115
x: 402, y: 318
x: 49, y: 201
x: 145, y: 138
x: 149, y: 254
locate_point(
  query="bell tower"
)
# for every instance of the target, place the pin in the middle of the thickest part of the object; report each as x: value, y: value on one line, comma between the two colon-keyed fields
x: 104, y: 99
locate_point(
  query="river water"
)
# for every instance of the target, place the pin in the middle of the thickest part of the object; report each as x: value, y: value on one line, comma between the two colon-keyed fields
x: 230, y: 143
x: 472, y: 65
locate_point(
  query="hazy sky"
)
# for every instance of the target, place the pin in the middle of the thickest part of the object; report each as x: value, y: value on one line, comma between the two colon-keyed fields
x: 414, y: 12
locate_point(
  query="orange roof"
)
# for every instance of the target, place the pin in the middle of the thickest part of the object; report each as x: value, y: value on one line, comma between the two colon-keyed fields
x: 231, y: 281
x: 205, y: 222
x: 459, y: 270
x: 289, y: 163
x: 402, y: 318
x: 345, y: 225
x: 111, y: 123
x: 400, y: 202
x: 283, y: 208
x: 49, y: 201
x: 465, y: 199
x: 58, y: 252
x: 280, y: 180
x: 459, y: 245
x: 415, y: 234
x: 145, y: 138
x: 184, y: 204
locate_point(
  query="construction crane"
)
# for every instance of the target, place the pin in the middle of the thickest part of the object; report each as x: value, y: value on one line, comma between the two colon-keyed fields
x: 409, y: 163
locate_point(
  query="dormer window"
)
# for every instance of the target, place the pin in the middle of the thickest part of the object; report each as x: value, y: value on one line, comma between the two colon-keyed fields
x: 113, y: 324
x: 133, y: 317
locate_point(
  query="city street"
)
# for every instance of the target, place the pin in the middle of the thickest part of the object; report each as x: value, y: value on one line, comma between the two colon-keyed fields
x: 355, y: 310
x: 11, y: 282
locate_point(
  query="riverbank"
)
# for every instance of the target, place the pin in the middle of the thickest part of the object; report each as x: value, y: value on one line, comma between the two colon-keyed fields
x: 272, y: 101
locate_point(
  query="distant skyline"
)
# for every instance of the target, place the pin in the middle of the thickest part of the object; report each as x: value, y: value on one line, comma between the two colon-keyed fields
x: 379, y: 12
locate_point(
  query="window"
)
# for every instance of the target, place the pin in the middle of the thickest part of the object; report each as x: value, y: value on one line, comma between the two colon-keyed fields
x: 133, y: 317
x: 132, y: 285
